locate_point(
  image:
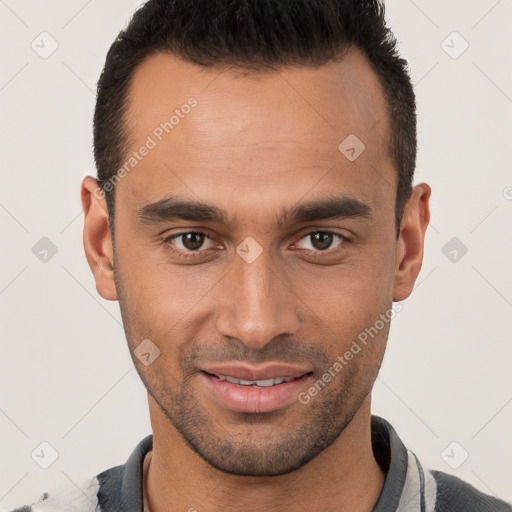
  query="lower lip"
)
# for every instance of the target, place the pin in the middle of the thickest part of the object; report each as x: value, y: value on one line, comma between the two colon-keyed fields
x: 250, y: 399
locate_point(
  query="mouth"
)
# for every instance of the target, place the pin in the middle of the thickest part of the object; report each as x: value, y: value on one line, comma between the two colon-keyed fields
x: 254, y: 390
x: 264, y: 383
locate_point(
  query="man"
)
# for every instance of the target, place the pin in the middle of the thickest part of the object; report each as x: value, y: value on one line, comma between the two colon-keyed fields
x: 254, y: 215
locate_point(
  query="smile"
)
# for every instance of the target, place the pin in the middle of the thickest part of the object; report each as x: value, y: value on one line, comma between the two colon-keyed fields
x: 255, y: 383
x: 253, y: 396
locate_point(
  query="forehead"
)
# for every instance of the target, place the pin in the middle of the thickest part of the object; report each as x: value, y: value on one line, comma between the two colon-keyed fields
x: 260, y: 135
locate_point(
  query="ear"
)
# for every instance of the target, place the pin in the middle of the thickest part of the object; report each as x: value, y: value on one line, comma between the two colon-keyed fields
x: 409, y: 250
x: 97, y: 238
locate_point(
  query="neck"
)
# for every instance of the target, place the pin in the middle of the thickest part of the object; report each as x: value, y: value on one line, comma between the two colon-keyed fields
x: 344, y: 477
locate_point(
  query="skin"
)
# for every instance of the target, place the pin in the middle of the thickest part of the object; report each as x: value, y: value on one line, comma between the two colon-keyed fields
x: 254, y: 145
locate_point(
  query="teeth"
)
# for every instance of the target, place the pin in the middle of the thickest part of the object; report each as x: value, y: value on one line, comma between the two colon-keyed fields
x: 265, y: 383
x: 246, y: 382
x: 256, y: 383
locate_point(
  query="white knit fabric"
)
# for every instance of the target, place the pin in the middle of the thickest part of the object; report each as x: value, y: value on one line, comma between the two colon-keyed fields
x: 410, y: 500
x: 67, y: 498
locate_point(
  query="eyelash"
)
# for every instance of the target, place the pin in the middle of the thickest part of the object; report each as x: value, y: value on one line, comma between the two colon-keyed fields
x: 199, y: 253
x: 188, y: 254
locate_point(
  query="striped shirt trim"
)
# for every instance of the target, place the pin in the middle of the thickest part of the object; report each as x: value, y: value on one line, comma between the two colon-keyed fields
x: 408, y: 487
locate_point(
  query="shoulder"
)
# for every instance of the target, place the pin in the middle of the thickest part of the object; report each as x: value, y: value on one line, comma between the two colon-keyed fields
x: 411, y: 486
x: 455, y: 495
x: 114, y: 489
x: 69, y: 498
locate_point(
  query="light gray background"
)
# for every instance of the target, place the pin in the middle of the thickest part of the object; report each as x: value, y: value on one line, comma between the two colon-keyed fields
x: 65, y: 373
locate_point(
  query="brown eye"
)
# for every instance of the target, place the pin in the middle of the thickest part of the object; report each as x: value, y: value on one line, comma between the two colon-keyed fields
x: 320, y: 240
x: 192, y: 241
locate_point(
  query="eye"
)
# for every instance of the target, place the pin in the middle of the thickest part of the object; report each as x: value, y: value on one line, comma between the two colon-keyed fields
x: 190, y: 241
x: 321, y: 240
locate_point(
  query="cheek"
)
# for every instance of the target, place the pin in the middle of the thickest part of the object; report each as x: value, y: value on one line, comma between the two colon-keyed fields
x: 347, y: 291
x: 154, y: 286
x: 346, y: 305
x: 163, y: 303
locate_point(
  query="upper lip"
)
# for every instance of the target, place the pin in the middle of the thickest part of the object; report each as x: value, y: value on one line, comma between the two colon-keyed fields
x: 255, y: 372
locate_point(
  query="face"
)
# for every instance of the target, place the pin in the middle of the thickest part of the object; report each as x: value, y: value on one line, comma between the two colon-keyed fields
x: 251, y: 247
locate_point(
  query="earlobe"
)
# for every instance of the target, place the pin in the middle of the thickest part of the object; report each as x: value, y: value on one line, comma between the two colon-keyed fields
x: 410, y: 245
x: 97, y: 238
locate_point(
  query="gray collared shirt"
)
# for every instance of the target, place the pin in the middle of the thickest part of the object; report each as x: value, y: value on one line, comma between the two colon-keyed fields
x: 408, y: 487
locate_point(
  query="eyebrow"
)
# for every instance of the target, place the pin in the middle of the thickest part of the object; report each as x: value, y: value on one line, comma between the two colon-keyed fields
x: 174, y: 208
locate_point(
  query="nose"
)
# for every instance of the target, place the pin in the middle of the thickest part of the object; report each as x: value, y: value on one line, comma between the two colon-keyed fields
x: 257, y: 303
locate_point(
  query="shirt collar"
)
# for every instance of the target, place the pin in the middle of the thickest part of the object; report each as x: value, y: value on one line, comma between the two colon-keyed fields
x: 121, y: 486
